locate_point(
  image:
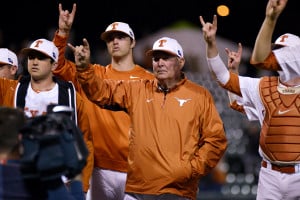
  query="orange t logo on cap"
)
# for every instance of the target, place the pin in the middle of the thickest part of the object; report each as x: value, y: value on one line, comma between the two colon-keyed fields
x: 37, y: 43
x: 162, y: 42
x: 283, y: 37
x: 114, y: 26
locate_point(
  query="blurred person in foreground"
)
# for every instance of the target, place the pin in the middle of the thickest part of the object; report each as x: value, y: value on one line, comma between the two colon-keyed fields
x: 12, y: 183
x: 273, y: 102
x: 110, y: 129
x: 176, y: 135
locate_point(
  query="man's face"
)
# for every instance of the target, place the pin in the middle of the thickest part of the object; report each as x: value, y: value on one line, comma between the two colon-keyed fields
x: 40, y: 66
x: 8, y: 71
x: 165, y: 65
x: 119, y: 44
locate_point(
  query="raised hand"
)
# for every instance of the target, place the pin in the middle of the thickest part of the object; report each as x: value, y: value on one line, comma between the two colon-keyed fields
x: 209, y: 29
x: 82, y: 54
x: 263, y: 43
x: 209, y: 34
x: 275, y: 7
x: 65, y: 19
x: 234, y: 58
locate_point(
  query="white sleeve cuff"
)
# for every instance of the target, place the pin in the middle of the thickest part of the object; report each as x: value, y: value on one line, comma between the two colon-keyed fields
x: 217, y: 66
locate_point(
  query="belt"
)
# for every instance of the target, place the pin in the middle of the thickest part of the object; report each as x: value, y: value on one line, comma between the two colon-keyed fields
x: 288, y: 169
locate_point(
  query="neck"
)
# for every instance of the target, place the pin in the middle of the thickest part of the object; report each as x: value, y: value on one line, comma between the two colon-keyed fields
x: 122, y: 64
x: 123, y: 67
x: 169, y: 83
x: 42, y: 86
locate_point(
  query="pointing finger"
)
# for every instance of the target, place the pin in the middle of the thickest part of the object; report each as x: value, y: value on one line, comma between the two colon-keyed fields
x: 71, y: 47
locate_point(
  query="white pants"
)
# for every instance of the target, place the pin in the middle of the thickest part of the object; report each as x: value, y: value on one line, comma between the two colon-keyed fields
x: 107, y: 185
x: 274, y: 185
x: 154, y: 197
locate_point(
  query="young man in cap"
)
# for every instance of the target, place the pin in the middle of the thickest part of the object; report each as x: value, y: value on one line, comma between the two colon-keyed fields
x: 110, y: 129
x: 35, y: 92
x: 176, y: 135
x: 8, y: 64
x: 273, y: 102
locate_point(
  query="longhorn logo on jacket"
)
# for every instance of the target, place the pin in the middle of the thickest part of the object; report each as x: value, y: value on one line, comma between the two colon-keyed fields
x: 182, y: 101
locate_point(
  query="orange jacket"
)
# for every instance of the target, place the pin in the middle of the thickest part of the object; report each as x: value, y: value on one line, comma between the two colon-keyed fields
x: 110, y: 129
x: 175, y: 137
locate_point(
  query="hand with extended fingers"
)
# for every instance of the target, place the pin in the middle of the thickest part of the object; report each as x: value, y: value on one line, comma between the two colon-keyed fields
x: 209, y: 29
x: 82, y: 54
x: 65, y: 19
x: 234, y: 58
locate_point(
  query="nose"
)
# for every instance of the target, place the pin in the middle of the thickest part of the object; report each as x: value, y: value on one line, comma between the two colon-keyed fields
x: 115, y: 39
x: 35, y: 60
x: 160, y: 62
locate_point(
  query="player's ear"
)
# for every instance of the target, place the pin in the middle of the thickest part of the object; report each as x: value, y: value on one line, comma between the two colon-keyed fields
x: 54, y: 66
x: 133, y: 43
x: 181, y: 62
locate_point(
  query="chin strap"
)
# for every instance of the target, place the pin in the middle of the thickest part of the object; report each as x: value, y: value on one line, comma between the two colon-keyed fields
x: 288, y: 90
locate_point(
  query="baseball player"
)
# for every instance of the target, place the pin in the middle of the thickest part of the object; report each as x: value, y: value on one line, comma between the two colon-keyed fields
x: 33, y: 93
x: 110, y: 129
x: 275, y: 103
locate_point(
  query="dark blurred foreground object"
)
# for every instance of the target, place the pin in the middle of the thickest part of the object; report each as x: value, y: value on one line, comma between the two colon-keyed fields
x: 53, y: 146
x: 12, y: 182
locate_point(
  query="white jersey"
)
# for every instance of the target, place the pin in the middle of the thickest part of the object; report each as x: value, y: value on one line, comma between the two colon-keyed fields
x: 36, y: 102
x: 251, y: 100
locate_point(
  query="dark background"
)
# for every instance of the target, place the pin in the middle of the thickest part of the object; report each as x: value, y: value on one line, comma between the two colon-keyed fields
x: 21, y: 21
x: 32, y: 19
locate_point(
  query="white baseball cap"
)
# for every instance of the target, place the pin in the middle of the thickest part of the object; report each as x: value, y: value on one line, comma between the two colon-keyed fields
x: 168, y: 45
x: 8, y: 57
x: 287, y: 39
x: 117, y: 27
x: 43, y: 46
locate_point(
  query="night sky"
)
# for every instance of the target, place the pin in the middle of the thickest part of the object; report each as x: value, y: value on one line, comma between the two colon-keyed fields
x: 33, y: 19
